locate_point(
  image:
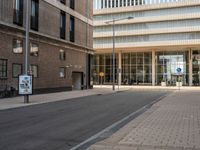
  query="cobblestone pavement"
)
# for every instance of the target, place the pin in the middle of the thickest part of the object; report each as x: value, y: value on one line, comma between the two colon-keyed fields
x: 171, y: 124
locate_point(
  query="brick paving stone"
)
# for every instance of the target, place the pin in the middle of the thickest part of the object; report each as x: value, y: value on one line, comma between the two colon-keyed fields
x: 171, y: 124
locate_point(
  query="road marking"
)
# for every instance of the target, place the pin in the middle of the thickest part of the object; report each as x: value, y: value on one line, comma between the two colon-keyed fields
x: 144, y: 108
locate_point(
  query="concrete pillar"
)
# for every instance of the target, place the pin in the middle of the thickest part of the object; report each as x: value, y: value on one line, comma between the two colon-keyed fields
x: 98, y: 4
x: 190, y: 67
x: 153, y: 67
x: 103, y: 3
x: 120, y: 68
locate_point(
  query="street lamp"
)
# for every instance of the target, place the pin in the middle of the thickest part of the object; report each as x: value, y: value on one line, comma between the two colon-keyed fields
x: 113, y: 52
x: 26, y: 62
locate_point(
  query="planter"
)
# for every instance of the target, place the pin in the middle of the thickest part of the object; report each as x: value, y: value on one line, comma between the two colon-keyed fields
x: 179, y: 84
x: 163, y: 84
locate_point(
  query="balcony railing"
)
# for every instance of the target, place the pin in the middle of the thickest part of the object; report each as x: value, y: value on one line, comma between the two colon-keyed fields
x: 34, y: 23
x: 62, y: 33
x: 18, y: 17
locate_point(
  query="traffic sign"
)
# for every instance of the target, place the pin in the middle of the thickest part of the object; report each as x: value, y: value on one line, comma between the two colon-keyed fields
x: 179, y: 70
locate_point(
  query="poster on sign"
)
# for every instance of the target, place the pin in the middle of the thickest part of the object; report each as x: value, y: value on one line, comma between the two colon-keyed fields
x: 25, y: 85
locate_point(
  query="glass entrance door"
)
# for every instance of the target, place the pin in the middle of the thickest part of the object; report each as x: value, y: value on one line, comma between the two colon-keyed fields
x: 167, y: 63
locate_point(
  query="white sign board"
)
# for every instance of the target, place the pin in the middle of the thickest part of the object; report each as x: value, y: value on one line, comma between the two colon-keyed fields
x: 25, y: 85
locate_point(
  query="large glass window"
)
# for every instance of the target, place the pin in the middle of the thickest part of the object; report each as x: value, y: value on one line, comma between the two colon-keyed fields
x: 16, y: 70
x: 167, y: 63
x: 3, y: 68
x: 102, y: 63
x: 136, y: 68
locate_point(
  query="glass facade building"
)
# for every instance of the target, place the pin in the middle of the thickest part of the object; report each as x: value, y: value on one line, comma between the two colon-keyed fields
x: 161, y: 43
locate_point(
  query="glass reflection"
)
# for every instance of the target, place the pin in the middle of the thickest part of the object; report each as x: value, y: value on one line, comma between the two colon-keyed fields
x: 167, y: 65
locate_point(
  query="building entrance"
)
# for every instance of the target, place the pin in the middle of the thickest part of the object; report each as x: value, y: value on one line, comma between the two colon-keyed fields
x: 77, y: 80
x: 167, y: 63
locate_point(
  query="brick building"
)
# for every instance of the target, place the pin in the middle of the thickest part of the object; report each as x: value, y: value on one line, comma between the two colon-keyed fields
x: 60, y: 43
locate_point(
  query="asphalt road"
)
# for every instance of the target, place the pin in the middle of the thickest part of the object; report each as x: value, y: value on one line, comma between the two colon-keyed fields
x: 64, y: 124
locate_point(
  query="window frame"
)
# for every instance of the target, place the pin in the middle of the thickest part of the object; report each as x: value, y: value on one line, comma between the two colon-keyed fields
x: 72, y: 4
x: 37, y: 76
x: 2, y: 60
x: 20, y: 71
x: 18, y: 6
x: 72, y: 29
x: 32, y: 53
x: 62, y: 57
x: 63, y: 2
x: 34, y: 24
x: 63, y: 25
x: 15, y: 39
x: 60, y: 72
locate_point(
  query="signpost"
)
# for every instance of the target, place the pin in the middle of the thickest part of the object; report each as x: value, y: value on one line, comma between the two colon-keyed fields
x: 179, y: 70
x: 25, y: 85
x: 119, y: 70
x: 101, y: 74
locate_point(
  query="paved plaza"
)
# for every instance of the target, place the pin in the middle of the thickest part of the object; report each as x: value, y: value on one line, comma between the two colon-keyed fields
x: 171, y: 124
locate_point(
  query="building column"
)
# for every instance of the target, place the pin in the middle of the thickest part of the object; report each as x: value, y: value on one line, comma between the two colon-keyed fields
x: 153, y: 67
x: 103, y: 4
x: 107, y: 4
x: 98, y: 4
x: 190, y: 67
x: 120, y: 68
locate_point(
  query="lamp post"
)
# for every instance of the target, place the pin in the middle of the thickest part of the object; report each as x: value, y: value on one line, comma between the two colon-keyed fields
x: 113, y: 51
x: 26, y: 97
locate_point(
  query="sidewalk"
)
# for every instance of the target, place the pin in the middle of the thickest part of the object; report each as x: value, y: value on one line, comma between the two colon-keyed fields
x: 171, y: 124
x: 15, y: 102
x: 189, y: 88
